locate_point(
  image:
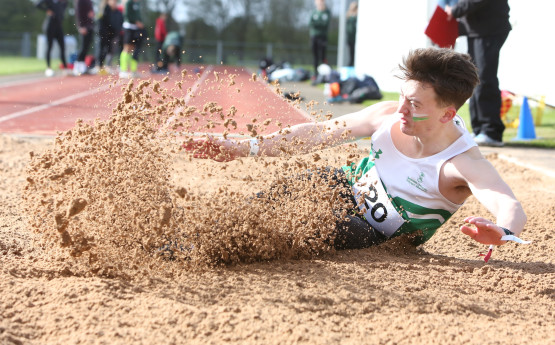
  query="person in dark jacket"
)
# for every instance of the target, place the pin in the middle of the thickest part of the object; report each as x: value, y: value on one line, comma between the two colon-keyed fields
x: 486, y: 23
x: 352, y: 30
x: 84, y: 15
x: 110, y: 26
x: 319, y: 24
x: 55, y: 10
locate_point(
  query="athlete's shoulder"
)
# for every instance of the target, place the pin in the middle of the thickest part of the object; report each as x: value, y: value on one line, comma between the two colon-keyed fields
x: 469, y: 165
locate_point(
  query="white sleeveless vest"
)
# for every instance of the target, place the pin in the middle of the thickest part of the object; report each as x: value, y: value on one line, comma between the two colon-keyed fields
x: 407, y: 197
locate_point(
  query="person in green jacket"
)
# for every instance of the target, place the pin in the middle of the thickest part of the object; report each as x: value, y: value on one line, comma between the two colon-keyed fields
x: 133, y: 36
x: 171, y: 51
x: 318, y: 25
x: 352, y: 30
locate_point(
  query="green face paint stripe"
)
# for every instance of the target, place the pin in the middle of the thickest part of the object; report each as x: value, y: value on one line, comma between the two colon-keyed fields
x: 416, y: 119
x: 420, y: 117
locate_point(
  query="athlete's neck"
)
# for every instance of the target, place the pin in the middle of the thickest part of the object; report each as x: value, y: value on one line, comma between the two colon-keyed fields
x: 433, y: 142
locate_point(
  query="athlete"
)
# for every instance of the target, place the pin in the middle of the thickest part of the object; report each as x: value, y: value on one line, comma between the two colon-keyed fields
x: 133, y: 36
x: 422, y: 166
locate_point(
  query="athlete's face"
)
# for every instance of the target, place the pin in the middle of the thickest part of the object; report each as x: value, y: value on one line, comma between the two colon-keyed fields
x: 418, y: 107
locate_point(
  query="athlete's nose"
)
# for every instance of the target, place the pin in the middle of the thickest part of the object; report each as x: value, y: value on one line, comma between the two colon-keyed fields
x: 403, y: 109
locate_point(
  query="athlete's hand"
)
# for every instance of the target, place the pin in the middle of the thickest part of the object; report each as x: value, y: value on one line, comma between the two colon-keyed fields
x: 210, y: 148
x: 486, y: 231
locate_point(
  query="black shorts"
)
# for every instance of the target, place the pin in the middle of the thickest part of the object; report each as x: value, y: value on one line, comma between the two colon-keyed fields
x: 132, y: 36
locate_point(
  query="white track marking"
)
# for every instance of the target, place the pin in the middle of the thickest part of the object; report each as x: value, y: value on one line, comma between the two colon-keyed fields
x: 272, y: 90
x: 195, y: 87
x: 547, y: 172
x: 188, y: 96
x: 53, y: 104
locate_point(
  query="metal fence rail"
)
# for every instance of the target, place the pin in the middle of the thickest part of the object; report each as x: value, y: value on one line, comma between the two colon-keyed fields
x: 240, y: 53
x: 16, y: 44
x: 199, y: 51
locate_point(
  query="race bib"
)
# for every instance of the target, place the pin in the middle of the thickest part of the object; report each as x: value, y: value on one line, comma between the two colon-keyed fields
x: 375, y: 204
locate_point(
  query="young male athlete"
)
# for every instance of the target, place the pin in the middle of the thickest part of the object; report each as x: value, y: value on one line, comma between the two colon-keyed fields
x: 423, y: 163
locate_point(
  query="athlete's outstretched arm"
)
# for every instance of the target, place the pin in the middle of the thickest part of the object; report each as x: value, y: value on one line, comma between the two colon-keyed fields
x: 303, y: 137
x: 489, y: 188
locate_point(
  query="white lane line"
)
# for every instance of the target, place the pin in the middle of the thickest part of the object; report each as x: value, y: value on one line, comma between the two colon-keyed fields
x: 11, y: 83
x: 53, y: 104
x: 271, y: 88
x: 196, y: 85
x: 513, y: 160
x: 188, y: 96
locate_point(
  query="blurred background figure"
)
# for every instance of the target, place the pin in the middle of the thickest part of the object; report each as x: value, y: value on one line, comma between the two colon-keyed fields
x: 352, y: 30
x: 109, y: 29
x: 84, y: 15
x: 171, y: 51
x: 486, y: 25
x: 444, y: 3
x: 319, y: 24
x: 52, y: 27
x: 160, y: 33
x: 133, y: 36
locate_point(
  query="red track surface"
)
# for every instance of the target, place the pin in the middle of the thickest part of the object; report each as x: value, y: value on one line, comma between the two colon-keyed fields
x: 47, y: 105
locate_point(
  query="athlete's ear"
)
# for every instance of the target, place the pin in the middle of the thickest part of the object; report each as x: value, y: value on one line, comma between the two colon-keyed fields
x: 448, y: 114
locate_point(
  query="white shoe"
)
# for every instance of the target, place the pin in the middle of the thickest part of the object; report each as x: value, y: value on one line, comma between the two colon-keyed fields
x: 84, y: 69
x: 49, y: 72
x: 485, y: 140
x: 76, y: 68
x: 79, y: 67
x: 124, y: 75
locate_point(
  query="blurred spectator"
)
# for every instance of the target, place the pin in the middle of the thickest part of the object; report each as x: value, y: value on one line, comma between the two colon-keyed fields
x: 318, y: 25
x: 160, y: 33
x: 352, y: 30
x: 133, y: 36
x: 444, y: 3
x: 109, y: 31
x: 84, y: 15
x: 55, y: 10
x: 486, y: 24
x: 171, y: 51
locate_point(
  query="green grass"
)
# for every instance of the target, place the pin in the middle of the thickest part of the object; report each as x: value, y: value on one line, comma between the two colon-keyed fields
x: 10, y: 65
x: 545, y: 131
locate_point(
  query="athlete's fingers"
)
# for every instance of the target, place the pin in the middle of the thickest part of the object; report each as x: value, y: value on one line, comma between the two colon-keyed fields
x: 474, y: 220
x: 467, y: 230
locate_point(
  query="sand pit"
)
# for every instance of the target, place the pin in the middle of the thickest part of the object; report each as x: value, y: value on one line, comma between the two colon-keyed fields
x: 86, y: 222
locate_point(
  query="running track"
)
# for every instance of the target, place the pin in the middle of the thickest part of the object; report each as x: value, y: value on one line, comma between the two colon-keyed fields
x: 45, y: 106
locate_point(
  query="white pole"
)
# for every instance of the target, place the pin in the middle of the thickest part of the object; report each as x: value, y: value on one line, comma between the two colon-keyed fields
x: 342, y: 41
